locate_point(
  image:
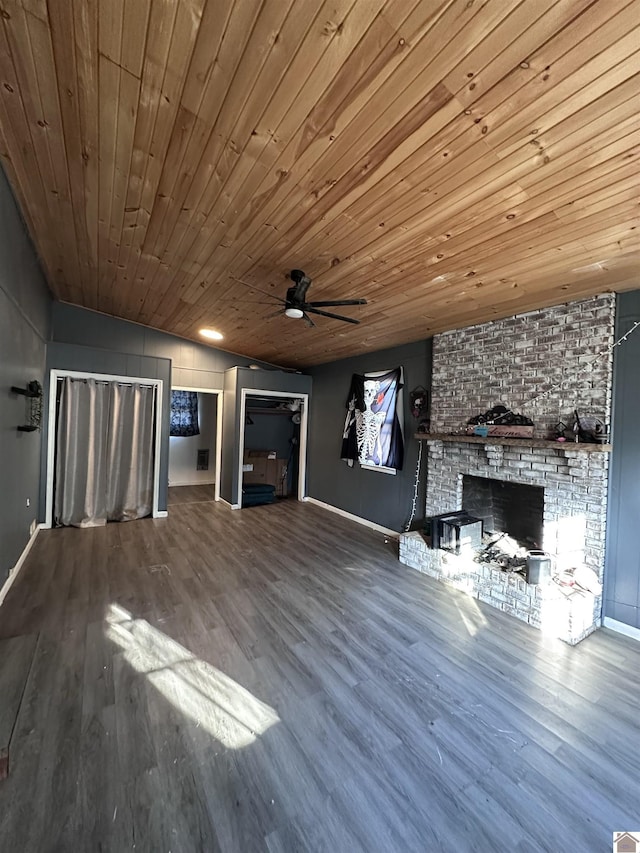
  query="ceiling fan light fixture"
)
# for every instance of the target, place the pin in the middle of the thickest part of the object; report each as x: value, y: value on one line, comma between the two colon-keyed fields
x: 294, y: 313
x: 211, y: 334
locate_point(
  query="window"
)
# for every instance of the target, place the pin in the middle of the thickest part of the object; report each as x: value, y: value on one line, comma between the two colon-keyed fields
x: 184, y: 413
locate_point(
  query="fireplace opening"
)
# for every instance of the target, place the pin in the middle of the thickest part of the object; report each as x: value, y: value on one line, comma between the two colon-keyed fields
x: 516, y: 509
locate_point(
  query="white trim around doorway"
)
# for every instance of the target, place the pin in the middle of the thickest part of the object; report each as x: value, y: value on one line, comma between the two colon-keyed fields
x: 220, y: 402
x: 302, y: 450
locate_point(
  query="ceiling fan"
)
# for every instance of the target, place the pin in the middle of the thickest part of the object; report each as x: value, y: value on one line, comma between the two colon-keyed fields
x: 295, y: 303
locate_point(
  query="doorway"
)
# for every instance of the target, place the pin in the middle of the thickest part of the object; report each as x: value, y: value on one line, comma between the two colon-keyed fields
x: 273, y: 443
x: 194, y: 460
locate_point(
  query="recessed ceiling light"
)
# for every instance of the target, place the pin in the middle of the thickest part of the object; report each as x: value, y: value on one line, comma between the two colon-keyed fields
x: 212, y: 334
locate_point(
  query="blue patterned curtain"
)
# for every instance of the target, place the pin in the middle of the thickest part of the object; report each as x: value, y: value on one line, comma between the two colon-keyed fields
x: 184, y: 413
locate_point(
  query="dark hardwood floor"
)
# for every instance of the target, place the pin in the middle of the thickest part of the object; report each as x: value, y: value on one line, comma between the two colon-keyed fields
x: 190, y: 494
x: 273, y: 679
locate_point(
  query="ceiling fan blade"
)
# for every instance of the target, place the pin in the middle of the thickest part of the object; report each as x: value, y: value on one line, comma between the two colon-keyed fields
x: 277, y: 313
x: 333, y: 316
x: 336, y: 302
x: 258, y: 289
x: 308, y: 320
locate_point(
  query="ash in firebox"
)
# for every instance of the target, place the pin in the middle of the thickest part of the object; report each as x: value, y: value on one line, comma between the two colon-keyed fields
x: 502, y: 551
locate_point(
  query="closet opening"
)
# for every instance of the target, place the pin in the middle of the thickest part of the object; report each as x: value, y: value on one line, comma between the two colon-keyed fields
x: 273, y: 447
x: 103, y: 449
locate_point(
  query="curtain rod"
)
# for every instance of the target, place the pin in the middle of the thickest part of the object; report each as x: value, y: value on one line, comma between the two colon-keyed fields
x: 103, y: 382
x: 275, y: 400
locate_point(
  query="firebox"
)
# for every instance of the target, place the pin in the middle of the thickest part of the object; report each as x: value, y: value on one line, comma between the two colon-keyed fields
x: 504, y: 507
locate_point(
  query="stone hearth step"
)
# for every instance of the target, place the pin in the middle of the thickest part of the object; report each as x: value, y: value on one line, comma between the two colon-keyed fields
x: 563, y: 612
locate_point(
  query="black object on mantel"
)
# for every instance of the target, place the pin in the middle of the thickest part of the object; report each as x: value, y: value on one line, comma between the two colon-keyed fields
x: 502, y: 416
x: 588, y: 428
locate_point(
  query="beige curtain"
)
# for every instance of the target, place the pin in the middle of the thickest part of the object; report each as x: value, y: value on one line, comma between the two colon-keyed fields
x: 104, y: 452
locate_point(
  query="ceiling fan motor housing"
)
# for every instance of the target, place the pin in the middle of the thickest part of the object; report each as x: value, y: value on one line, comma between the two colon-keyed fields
x: 297, y: 295
x: 291, y: 298
x: 297, y: 308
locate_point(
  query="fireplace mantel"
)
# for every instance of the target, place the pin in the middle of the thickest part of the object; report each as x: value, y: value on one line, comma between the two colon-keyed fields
x: 563, y: 446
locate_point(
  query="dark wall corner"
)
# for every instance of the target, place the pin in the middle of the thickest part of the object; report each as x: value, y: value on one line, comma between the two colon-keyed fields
x: 622, y: 561
x: 25, y: 323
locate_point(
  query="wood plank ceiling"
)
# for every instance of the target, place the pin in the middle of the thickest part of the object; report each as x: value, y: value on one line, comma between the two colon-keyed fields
x: 451, y: 161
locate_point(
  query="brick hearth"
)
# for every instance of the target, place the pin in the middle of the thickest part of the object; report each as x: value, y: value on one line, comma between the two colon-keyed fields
x: 563, y: 612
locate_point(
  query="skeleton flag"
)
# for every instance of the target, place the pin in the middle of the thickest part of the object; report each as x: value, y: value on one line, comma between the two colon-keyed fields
x: 372, y: 430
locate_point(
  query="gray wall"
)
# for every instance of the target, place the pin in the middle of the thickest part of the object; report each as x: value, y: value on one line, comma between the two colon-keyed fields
x: 381, y: 498
x: 230, y: 434
x: 193, y: 365
x: 270, y: 432
x: 25, y: 306
x: 622, y: 568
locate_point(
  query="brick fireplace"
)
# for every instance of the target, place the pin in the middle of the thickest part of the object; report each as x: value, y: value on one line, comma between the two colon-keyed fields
x: 509, y: 362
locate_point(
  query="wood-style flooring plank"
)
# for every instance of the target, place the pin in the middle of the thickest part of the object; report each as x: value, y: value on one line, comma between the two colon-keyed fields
x: 190, y: 494
x: 16, y: 654
x: 275, y: 680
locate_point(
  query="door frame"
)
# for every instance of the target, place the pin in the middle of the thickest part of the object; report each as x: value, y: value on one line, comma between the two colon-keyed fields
x: 302, y: 449
x: 54, y: 376
x: 219, y: 404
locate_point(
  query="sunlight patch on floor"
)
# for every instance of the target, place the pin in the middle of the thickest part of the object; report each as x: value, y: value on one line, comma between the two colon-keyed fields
x: 224, y: 708
x: 473, y: 619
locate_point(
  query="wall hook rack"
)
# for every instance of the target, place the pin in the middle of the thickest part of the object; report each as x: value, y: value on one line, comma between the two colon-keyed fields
x: 33, y: 394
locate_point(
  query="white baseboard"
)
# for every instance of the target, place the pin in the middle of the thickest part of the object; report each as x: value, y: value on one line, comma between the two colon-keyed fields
x: 365, y: 521
x: 226, y: 503
x: 161, y: 513
x: 15, y: 571
x: 621, y: 628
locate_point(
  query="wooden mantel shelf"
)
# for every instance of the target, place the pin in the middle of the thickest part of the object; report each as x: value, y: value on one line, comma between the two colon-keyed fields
x: 581, y: 447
